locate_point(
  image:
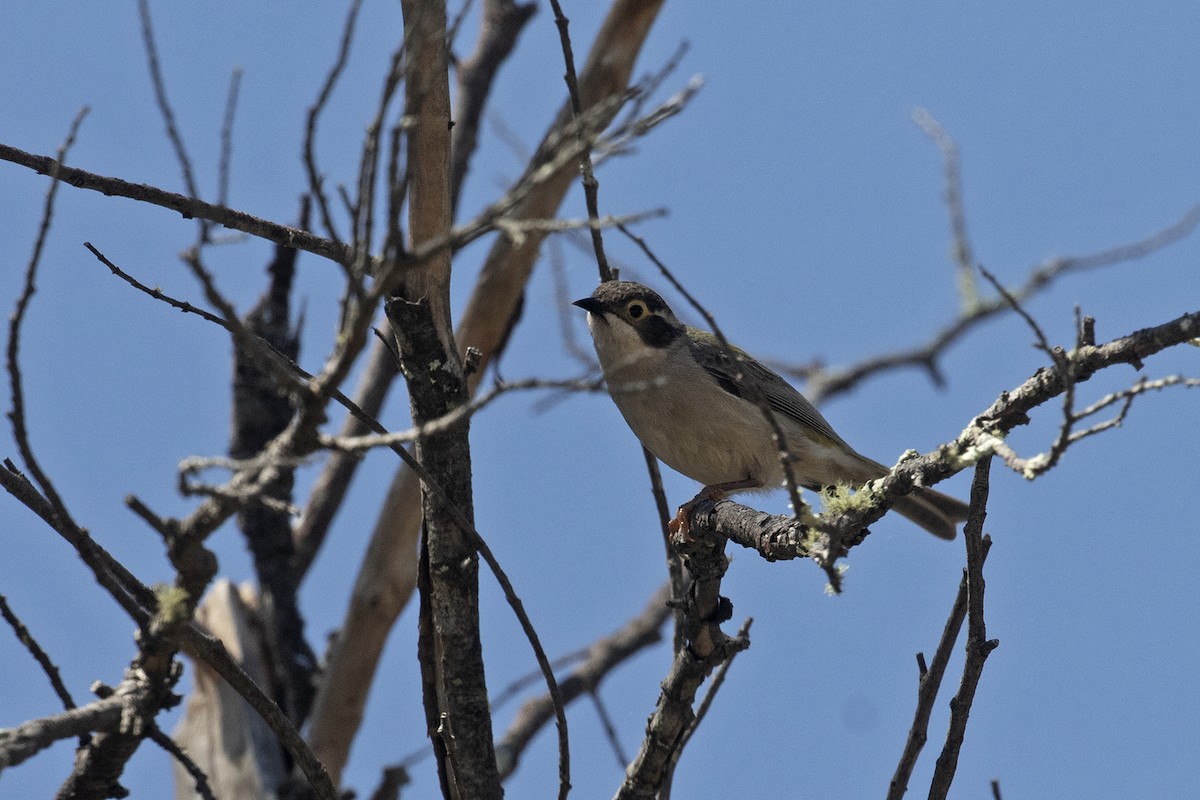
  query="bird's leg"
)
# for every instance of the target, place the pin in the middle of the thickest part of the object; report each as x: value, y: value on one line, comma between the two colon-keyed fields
x: 681, y: 525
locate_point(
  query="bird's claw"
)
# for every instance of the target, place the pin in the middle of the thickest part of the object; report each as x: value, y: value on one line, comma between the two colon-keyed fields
x: 681, y: 526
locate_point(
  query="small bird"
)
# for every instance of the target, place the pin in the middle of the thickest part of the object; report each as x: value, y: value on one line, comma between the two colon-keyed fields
x: 679, y: 391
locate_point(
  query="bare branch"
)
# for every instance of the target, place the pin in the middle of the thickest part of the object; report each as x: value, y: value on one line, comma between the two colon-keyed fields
x: 331, y: 485
x: 518, y: 229
x: 978, y: 645
x: 360, y: 444
x: 17, y: 415
x: 1063, y: 362
x: 156, y: 292
x: 603, y: 656
x: 176, y: 752
x: 39, y: 655
x: 676, y: 577
x: 929, y: 682
x: 590, y: 185
x: 610, y: 730
x: 960, y: 243
x: 707, y: 647
x: 188, y: 207
x: 231, y: 99
x: 824, y: 383
x: 212, y: 652
x: 1125, y: 397
x: 28, y: 739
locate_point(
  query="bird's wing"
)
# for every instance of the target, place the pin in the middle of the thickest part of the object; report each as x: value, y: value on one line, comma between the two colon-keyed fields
x: 780, y: 395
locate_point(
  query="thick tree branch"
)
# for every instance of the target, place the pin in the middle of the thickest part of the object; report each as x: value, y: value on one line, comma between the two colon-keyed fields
x: 261, y: 411
x: 706, y: 647
x: 388, y: 573
x: 28, y: 739
x: 452, y: 667
x: 502, y: 23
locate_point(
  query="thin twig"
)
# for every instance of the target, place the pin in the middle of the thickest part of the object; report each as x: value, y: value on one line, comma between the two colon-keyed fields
x: 191, y: 767
x: 231, y: 99
x: 156, y: 293
x: 204, y: 647
x: 188, y: 207
x: 585, y: 356
x: 529, y: 678
x: 164, y: 103
x: 39, y: 655
x: 676, y: 576
x: 610, y: 730
x: 517, y: 229
x: 1125, y: 397
x: 315, y: 179
x: 603, y: 656
x: 17, y: 415
x: 360, y: 444
x: 964, y: 259
x: 590, y: 184
x: 1062, y: 361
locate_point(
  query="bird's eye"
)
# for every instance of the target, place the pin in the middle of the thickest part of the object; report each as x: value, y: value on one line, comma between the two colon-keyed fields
x: 636, y: 309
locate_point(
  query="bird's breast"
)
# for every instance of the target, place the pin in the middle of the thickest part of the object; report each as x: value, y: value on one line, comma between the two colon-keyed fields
x: 690, y: 423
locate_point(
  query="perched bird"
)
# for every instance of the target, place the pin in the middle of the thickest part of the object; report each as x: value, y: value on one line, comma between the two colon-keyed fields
x: 678, y: 389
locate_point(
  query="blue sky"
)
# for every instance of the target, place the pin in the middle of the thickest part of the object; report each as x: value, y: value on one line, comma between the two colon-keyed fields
x: 806, y: 212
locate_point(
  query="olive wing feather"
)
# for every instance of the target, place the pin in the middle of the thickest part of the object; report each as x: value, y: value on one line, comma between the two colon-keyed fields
x: 780, y: 395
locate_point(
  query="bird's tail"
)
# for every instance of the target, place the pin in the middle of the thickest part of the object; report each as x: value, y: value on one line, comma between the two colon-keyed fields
x: 935, y: 512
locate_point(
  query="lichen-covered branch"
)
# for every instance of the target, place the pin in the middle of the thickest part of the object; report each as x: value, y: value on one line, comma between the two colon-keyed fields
x: 784, y: 538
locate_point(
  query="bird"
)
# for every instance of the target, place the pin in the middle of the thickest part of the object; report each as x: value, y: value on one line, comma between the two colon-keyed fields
x: 691, y: 404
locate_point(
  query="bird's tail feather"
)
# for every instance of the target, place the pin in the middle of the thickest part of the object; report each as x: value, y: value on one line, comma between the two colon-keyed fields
x: 933, y: 511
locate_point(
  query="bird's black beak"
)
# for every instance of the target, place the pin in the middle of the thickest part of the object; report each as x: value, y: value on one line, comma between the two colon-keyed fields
x: 591, y: 305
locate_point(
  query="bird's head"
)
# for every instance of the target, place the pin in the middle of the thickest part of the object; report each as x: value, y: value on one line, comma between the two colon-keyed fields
x: 628, y: 321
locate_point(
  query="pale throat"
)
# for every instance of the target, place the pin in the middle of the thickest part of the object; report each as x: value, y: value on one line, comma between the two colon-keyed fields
x: 623, y: 355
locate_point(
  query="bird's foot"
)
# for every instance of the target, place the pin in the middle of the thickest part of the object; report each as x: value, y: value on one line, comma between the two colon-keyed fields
x: 681, y: 525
